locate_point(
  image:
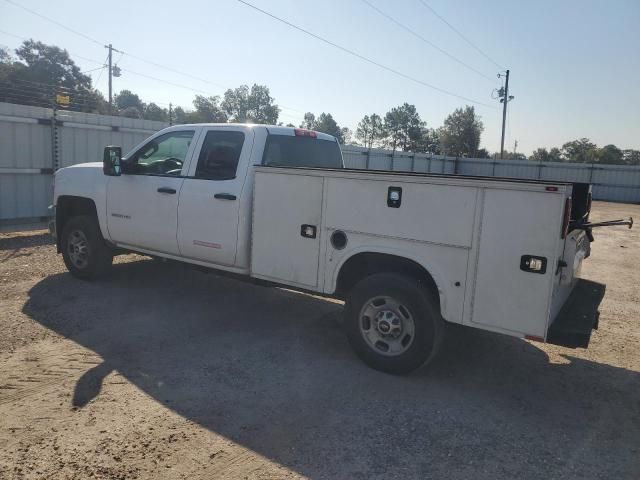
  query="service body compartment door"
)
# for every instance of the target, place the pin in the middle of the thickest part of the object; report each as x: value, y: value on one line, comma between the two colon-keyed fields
x: 287, y: 213
x: 516, y: 223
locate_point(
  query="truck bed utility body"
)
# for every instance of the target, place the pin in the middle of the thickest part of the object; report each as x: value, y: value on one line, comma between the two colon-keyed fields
x: 408, y: 251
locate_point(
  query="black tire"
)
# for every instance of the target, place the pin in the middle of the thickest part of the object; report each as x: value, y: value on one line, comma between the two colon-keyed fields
x: 97, y: 257
x: 421, y: 308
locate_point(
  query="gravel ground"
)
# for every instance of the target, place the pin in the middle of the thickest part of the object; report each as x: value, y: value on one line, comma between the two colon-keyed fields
x: 161, y: 371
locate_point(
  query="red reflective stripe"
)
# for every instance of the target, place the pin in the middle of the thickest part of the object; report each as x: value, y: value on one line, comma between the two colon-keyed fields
x: 551, y: 189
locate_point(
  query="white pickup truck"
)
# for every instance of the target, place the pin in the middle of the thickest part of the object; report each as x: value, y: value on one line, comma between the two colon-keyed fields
x: 408, y: 252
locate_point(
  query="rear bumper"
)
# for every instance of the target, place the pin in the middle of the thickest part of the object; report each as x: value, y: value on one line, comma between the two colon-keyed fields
x: 578, y: 317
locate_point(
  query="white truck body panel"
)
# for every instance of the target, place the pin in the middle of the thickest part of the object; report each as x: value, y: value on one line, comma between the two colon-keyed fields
x: 468, y: 233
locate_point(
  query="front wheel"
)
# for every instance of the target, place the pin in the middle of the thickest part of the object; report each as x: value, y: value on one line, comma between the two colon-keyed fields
x: 393, y: 323
x: 84, y: 250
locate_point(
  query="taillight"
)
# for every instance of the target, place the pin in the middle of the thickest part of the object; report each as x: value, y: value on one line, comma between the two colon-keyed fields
x: 301, y: 132
x: 566, y: 218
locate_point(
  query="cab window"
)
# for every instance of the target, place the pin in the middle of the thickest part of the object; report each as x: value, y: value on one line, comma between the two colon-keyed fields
x: 219, y: 156
x: 294, y: 151
x: 164, y: 155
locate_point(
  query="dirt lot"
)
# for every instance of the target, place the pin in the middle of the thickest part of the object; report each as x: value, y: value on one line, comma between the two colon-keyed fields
x: 161, y: 371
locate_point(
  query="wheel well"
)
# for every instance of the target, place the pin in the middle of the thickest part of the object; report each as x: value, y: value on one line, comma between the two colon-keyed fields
x: 68, y: 207
x: 364, y: 264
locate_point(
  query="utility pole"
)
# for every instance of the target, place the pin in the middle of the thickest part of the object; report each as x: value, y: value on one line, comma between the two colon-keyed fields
x: 113, y: 72
x: 170, y: 115
x: 504, y: 99
x: 111, y: 92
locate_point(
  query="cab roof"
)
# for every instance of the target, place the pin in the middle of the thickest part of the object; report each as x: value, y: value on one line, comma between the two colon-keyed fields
x: 271, y: 129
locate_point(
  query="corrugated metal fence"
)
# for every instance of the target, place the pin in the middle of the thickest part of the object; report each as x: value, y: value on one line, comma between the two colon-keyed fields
x: 616, y: 183
x: 33, y: 145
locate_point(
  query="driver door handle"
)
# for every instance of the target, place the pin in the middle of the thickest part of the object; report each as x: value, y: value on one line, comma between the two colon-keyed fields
x: 167, y: 190
x: 225, y: 196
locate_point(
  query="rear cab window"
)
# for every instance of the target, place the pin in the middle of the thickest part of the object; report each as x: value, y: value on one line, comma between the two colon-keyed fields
x: 301, y: 151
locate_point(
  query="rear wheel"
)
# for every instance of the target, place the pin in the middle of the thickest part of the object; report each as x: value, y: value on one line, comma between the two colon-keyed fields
x: 393, y: 323
x: 84, y: 250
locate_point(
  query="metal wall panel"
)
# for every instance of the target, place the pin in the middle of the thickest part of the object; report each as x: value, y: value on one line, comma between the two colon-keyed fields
x: 26, y: 140
x: 26, y: 148
x: 618, y: 183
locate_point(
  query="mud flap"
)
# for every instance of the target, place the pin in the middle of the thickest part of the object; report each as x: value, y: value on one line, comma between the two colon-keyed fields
x: 578, y: 317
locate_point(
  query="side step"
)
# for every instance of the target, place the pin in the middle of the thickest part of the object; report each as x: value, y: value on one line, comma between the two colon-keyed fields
x: 578, y: 316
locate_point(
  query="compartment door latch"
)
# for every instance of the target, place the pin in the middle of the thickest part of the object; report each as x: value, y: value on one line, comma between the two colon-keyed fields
x: 533, y: 264
x: 308, y: 231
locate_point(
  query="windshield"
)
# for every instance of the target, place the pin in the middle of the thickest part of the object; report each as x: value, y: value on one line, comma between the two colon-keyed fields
x: 295, y: 151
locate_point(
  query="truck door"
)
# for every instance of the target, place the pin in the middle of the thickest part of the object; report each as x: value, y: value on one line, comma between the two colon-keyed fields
x: 209, y: 208
x: 142, y: 203
x: 517, y: 225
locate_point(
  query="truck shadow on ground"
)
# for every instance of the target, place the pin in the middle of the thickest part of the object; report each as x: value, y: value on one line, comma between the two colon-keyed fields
x: 11, y: 247
x: 270, y: 369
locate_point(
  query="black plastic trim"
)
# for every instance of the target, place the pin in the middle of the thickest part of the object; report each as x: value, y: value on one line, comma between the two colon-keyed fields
x: 578, y: 317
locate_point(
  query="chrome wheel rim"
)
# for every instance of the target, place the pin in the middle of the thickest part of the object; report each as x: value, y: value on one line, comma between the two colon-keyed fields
x: 78, y: 249
x: 387, y: 326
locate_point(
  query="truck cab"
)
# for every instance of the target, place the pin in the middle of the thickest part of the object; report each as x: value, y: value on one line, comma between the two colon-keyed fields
x: 187, y: 191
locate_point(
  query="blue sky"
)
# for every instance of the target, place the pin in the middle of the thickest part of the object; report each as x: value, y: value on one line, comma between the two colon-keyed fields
x: 575, y: 65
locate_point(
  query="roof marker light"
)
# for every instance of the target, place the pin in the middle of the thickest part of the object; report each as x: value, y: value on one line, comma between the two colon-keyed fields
x: 302, y: 132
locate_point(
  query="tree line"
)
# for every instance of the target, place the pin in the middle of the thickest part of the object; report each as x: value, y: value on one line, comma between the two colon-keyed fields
x: 401, y: 128
x: 41, y: 74
x: 584, y: 150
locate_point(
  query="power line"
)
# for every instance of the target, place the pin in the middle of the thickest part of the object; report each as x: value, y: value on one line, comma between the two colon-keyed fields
x: 155, y: 64
x: 93, y: 70
x: 102, y: 71
x: 24, y: 39
x: 427, y: 6
x: 362, y: 57
x: 428, y: 42
x: 87, y: 37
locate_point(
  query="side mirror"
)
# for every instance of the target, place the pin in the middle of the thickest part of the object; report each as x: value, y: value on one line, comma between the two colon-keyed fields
x: 111, y: 161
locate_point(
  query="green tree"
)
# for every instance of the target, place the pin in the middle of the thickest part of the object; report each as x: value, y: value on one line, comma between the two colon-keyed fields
x: 154, y: 112
x: 483, y: 153
x: 309, y: 121
x: 580, y: 151
x: 544, y: 155
x: 126, y: 100
x: 346, y: 134
x: 370, y: 130
x: 207, y: 110
x: 40, y: 72
x: 610, y: 154
x: 5, y: 56
x: 324, y: 123
x: 403, y: 127
x: 631, y: 157
x: 363, y: 131
x: 428, y: 141
x: 460, y: 134
x: 253, y: 105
